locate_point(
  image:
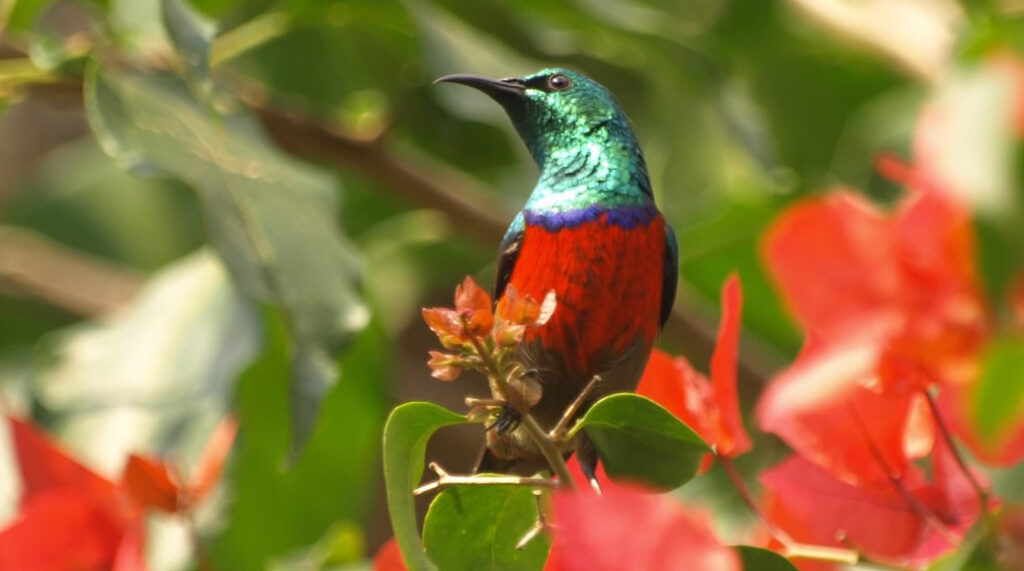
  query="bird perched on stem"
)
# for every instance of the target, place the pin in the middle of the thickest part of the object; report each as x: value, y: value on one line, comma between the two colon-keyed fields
x: 591, y: 232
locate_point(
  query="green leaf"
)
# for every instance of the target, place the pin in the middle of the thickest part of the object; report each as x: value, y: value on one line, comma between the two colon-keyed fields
x: 275, y: 512
x: 639, y: 440
x: 405, y: 441
x: 976, y: 553
x: 998, y: 399
x: 270, y: 218
x: 191, y: 34
x: 477, y: 527
x: 757, y: 559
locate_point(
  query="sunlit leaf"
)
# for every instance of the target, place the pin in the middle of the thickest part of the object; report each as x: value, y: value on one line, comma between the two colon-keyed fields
x: 639, y: 440
x: 757, y: 559
x: 270, y: 218
x: 405, y: 441
x: 998, y: 398
x: 167, y: 361
x: 477, y: 527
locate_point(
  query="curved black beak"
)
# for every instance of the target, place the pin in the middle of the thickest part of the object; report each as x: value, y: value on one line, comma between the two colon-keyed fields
x: 498, y: 89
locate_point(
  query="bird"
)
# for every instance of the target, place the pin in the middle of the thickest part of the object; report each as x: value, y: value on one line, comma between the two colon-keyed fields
x: 591, y: 232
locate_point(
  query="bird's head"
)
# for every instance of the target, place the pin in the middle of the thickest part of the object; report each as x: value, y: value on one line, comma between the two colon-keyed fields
x: 555, y: 110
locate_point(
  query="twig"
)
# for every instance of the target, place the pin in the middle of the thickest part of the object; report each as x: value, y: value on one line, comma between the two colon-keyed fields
x: 558, y: 432
x: 71, y: 280
x: 948, y: 438
x: 446, y: 480
x: 929, y: 517
x: 791, y: 547
x: 474, y: 402
x: 539, y: 526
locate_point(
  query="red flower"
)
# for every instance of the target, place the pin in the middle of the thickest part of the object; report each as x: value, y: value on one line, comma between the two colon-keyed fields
x: 710, y: 408
x: 909, y: 526
x: 890, y: 305
x: 477, y: 334
x: 72, y: 518
x: 629, y: 528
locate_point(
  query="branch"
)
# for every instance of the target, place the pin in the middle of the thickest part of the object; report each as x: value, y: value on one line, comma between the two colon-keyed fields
x: 75, y: 282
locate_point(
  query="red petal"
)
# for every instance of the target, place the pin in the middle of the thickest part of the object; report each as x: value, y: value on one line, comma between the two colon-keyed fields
x: 445, y: 323
x: 475, y: 304
x: 833, y: 262
x: 389, y: 557
x: 629, y: 529
x: 43, y: 466
x: 211, y: 463
x: 814, y: 507
x: 732, y: 439
x: 148, y: 481
x: 946, y: 318
x: 471, y: 297
x: 60, y: 529
x: 828, y: 408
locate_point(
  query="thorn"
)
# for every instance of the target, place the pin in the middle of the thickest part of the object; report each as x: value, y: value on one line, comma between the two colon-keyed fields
x: 539, y: 526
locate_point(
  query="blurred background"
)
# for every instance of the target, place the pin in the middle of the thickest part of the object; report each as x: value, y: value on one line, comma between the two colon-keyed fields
x: 231, y: 205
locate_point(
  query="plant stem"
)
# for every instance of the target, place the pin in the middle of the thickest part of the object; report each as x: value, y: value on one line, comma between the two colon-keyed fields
x: 948, y: 439
x: 550, y: 450
x: 446, y: 480
x: 929, y: 517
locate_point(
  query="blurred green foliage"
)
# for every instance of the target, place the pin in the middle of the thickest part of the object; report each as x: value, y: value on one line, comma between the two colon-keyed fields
x: 741, y: 107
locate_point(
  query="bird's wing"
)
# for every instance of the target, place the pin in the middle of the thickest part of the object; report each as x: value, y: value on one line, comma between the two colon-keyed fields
x: 508, y: 254
x: 670, y: 274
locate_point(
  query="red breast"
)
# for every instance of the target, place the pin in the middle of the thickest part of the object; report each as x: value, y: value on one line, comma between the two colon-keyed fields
x: 608, y: 283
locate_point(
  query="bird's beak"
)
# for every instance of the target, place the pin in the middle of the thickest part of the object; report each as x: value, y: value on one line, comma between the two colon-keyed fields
x: 498, y: 89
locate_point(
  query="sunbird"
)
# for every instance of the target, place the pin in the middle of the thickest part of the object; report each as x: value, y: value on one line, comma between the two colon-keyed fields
x: 591, y: 232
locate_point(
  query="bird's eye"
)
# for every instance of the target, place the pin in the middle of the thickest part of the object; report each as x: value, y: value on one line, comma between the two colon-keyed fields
x: 559, y: 82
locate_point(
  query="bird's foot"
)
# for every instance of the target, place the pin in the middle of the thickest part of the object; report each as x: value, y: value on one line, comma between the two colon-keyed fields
x: 507, y: 420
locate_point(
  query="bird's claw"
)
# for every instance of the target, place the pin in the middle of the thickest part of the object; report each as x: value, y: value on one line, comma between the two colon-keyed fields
x: 508, y: 420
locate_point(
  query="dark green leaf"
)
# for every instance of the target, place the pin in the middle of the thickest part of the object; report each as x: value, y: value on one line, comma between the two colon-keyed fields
x: 639, y: 440
x: 270, y: 218
x: 477, y: 527
x: 405, y: 441
x: 757, y: 559
x: 191, y: 34
x: 1000, y: 252
x: 274, y: 511
x: 998, y: 398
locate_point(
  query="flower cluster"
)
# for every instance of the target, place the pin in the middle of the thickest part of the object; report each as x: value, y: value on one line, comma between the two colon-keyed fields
x: 480, y: 336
